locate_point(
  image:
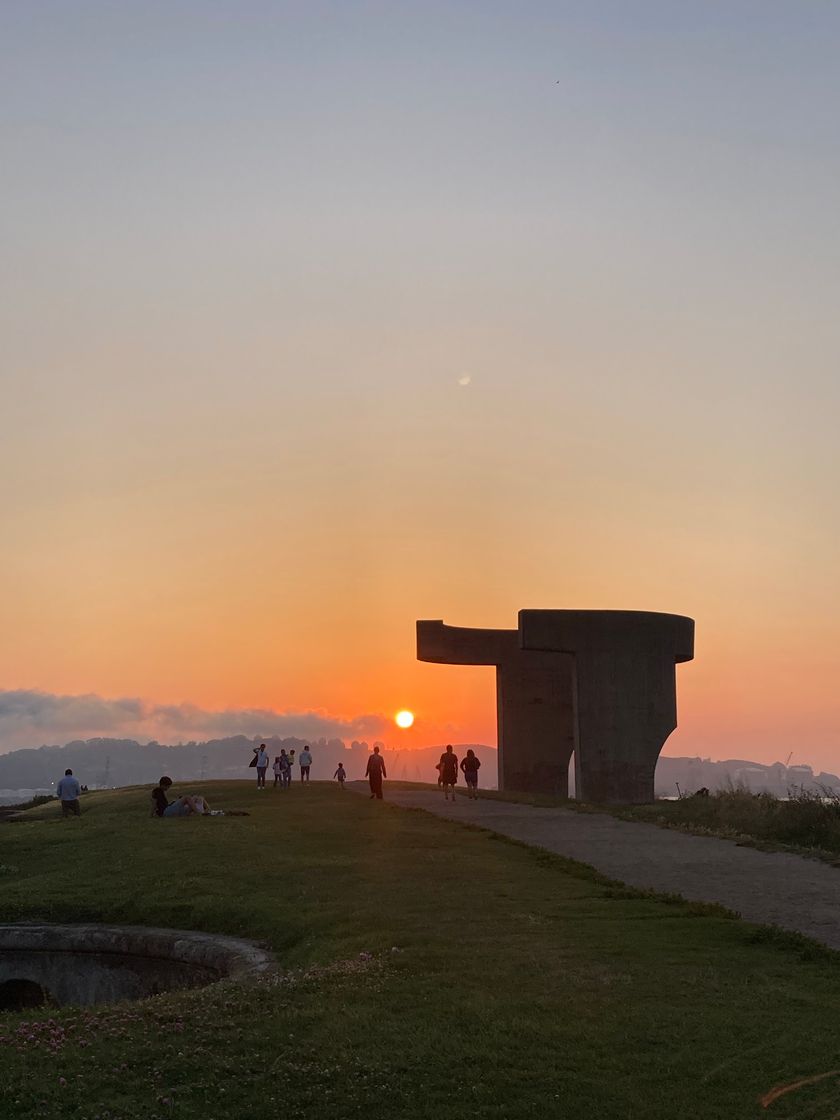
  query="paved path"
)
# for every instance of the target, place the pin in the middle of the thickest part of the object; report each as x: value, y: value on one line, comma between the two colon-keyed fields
x: 770, y: 887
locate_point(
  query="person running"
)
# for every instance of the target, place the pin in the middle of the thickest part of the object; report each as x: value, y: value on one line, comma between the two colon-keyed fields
x: 305, y: 763
x: 285, y: 770
x: 69, y: 791
x: 448, y: 771
x: 262, y: 766
x: 469, y: 767
x: 340, y: 775
x: 375, y: 772
x: 278, y: 773
x: 160, y: 802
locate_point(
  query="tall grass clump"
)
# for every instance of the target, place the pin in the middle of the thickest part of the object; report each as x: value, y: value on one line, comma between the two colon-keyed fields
x: 809, y: 818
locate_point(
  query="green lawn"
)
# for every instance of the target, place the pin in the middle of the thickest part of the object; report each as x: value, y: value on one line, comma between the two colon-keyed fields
x: 430, y: 970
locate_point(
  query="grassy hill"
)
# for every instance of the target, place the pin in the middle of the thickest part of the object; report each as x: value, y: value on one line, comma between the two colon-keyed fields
x: 427, y: 969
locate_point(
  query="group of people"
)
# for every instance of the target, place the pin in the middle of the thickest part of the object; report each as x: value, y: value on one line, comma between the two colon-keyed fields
x: 189, y: 805
x: 448, y: 768
x: 282, y: 766
x: 375, y: 771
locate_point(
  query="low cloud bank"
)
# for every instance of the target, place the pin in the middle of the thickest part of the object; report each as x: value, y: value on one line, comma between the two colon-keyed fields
x: 29, y: 717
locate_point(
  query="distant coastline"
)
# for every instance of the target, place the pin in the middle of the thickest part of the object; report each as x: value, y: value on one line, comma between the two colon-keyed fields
x: 19, y: 796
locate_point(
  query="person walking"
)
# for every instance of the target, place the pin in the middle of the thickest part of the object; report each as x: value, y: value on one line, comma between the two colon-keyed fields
x: 262, y: 766
x: 285, y: 771
x: 448, y: 771
x: 375, y: 772
x: 305, y: 763
x: 469, y: 767
x: 340, y: 775
x: 278, y: 773
x: 69, y: 791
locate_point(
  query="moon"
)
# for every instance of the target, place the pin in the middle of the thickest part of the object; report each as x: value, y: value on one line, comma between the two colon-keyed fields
x: 404, y: 718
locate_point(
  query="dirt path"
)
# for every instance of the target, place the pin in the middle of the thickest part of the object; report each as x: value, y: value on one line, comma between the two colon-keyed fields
x: 769, y: 887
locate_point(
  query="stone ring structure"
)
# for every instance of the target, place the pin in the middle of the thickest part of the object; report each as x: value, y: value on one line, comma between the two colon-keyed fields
x: 597, y: 684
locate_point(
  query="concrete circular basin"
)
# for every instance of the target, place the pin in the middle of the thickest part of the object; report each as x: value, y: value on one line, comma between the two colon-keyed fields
x: 82, y: 965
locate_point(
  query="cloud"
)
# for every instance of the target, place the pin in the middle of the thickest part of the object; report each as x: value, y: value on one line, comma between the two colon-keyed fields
x: 29, y: 718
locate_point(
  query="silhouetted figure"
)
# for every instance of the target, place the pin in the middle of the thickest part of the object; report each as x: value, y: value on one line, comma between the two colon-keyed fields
x: 262, y: 766
x: 448, y: 771
x: 375, y: 772
x: 469, y: 766
x: 285, y: 770
x: 160, y: 802
x: 305, y: 762
x: 69, y: 791
x: 278, y: 774
x: 340, y: 775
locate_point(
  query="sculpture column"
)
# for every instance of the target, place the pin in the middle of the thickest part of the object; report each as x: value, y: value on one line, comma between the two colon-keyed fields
x: 623, y: 689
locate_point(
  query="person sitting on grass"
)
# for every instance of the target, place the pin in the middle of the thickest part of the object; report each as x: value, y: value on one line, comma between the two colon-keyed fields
x: 160, y: 801
x: 187, y: 806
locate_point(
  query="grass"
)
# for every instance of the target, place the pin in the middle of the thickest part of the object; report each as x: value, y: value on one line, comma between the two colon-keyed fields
x: 427, y: 970
x: 807, y: 822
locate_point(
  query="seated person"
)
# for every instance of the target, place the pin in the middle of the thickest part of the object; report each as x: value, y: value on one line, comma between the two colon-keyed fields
x: 187, y: 806
x: 159, y: 798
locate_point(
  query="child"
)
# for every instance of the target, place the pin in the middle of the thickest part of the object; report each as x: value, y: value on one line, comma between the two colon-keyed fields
x: 341, y: 775
x: 278, y: 771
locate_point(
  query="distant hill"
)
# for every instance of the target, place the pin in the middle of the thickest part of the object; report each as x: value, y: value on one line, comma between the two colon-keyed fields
x: 123, y: 762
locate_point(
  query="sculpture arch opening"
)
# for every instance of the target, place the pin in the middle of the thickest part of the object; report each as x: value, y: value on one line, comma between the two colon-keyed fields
x: 599, y: 685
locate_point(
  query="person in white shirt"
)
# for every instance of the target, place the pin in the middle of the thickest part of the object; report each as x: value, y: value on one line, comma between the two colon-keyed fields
x: 305, y: 762
x: 69, y: 791
x: 262, y: 766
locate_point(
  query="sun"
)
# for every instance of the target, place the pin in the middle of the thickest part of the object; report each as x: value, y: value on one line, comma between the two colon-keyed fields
x: 404, y: 718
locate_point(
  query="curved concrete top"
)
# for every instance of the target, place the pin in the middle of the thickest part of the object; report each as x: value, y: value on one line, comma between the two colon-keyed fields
x: 463, y: 645
x: 601, y: 631
x: 229, y: 956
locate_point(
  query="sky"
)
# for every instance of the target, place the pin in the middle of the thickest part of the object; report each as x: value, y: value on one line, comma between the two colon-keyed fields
x: 320, y: 318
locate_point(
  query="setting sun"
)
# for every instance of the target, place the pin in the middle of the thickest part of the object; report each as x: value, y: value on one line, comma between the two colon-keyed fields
x: 404, y: 718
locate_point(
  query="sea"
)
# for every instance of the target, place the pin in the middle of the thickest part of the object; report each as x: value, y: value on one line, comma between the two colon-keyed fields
x: 18, y: 796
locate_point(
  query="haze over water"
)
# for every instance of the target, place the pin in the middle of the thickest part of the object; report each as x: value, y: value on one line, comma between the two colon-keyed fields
x: 322, y: 318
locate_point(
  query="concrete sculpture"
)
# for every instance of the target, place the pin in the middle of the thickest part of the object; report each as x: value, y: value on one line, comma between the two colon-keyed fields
x: 601, y: 684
